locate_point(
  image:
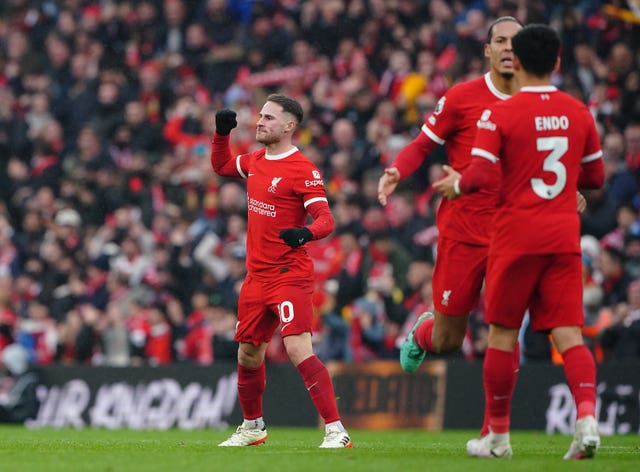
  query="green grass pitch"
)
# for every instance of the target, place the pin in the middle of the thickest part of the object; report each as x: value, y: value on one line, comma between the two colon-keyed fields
x: 293, y: 449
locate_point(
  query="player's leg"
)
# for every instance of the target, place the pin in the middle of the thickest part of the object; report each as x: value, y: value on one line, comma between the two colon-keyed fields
x: 251, y: 385
x: 506, y: 303
x: 560, y: 308
x: 498, y: 379
x: 458, y: 276
x: 294, y: 307
x: 580, y: 372
x: 457, y: 282
x: 456, y: 285
x: 254, y: 330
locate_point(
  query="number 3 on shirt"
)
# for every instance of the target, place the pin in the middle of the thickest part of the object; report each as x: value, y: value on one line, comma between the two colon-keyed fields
x: 558, y: 146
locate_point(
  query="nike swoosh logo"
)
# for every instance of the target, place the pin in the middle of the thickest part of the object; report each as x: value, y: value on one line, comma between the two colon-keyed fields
x: 250, y: 174
x: 284, y: 326
x: 311, y: 386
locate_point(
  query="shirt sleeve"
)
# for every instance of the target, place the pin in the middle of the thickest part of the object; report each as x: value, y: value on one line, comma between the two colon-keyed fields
x: 479, y: 174
x: 310, y: 186
x: 435, y: 131
x: 413, y: 155
x: 484, y: 160
x: 222, y: 161
x: 591, y: 165
x: 323, y: 222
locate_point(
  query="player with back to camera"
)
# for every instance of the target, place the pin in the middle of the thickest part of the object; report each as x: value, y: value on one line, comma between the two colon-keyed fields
x: 283, y: 189
x: 464, y: 224
x: 546, y: 145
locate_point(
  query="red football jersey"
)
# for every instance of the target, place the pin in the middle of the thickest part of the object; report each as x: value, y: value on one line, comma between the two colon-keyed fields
x: 543, y: 138
x: 280, y: 190
x: 453, y: 123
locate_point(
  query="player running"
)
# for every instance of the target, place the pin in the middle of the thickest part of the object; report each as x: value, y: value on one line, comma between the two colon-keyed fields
x: 464, y: 224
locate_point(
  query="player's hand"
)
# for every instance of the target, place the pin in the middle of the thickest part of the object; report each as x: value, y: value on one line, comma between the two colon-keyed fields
x: 582, y: 203
x: 296, y: 237
x: 387, y: 184
x: 225, y: 121
x: 447, y: 185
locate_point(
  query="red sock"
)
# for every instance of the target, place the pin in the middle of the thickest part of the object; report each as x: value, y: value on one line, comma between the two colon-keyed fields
x: 422, y: 336
x: 580, y: 371
x: 516, y: 368
x: 318, y: 382
x: 251, y: 385
x: 499, y: 382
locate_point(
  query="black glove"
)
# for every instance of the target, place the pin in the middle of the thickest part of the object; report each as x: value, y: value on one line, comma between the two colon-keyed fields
x: 296, y: 237
x: 225, y: 121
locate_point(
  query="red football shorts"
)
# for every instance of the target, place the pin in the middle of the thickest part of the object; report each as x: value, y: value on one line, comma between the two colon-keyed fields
x: 549, y: 285
x: 262, y: 305
x: 457, y: 276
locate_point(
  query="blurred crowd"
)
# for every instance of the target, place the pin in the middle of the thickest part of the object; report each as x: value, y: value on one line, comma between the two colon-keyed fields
x: 120, y: 246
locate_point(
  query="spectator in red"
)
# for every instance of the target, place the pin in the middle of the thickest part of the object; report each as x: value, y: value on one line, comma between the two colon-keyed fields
x: 632, y: 145
x: 158, y: 348
x: 198, y: 341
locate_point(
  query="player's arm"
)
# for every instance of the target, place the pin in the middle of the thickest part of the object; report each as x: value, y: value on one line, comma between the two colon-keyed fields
x: 222, y: 161
x: 406, y: 162
x: 591, y: 172
x: 591, y: 165
x: 479, y: 174
x: 484, y: 157
x: 321, y: 226
x: 323, y: 222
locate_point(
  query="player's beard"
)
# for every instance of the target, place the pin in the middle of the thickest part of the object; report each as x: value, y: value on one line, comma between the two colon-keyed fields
x: 266, y: 138
x: 507, y: 75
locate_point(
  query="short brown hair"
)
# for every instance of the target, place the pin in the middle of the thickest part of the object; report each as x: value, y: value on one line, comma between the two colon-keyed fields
x: 288, y: 104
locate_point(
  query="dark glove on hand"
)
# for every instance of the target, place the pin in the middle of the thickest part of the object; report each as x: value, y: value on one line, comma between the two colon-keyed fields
x: 296, y: 237
x: 225, y: 121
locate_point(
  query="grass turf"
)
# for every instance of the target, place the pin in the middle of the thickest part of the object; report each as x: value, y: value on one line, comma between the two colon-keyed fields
x: 293, y: 449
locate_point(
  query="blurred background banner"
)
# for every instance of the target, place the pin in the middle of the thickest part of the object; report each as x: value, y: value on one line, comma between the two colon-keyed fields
x: 379, y: 395
x: 373, y: 395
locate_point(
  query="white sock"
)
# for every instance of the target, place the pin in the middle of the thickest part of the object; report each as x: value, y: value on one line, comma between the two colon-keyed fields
x: 257, y: 423
x: 502, y: 437
x: 337, y: 424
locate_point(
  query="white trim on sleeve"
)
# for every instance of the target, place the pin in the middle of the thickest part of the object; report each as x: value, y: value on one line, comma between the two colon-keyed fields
x: 432, y: 135
x: 591, y: 157
x: 486, y: 154
x: 313, y: 200
x: 238, y: 168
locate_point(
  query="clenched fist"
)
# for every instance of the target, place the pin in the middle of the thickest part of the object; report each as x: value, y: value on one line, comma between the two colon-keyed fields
x: 225, y: 121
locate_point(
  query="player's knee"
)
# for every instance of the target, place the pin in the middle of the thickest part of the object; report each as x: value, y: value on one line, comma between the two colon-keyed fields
x: 248, y: 357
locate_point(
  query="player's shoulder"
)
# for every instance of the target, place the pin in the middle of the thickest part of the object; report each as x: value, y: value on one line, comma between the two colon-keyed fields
x: 300, y: 164
x: 474, y: 93
x: 571, y: 101
x: 468, y: 88
x: 259, y: 153
x: 256, y: 154
x: 300, y: 160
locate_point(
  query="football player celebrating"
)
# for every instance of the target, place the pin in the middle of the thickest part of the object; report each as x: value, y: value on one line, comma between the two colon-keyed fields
x: 283, y: 188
